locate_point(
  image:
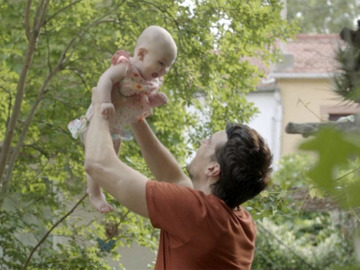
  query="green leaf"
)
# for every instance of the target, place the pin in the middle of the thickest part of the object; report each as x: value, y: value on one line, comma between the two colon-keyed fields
x: 333, y: 148
x: 336, y: 150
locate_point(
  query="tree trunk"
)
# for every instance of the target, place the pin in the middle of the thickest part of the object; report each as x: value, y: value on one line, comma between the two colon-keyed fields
x: 31, y: 49
x: 308, y: 129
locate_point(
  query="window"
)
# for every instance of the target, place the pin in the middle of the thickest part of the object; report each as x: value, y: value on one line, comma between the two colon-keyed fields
x: 333, y: 113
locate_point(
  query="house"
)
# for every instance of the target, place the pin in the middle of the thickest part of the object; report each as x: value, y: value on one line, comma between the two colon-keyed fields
x: 300, y: 90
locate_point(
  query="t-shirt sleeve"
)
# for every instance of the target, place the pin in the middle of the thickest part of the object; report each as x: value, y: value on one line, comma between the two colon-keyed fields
x: 173, y: 208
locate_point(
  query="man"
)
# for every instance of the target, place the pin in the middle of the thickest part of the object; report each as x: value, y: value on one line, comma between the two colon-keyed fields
x: 202, y: 222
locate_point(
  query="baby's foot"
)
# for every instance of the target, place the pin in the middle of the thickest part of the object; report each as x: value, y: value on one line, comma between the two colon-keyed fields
x: 157, y: 99
x: 100, y: 203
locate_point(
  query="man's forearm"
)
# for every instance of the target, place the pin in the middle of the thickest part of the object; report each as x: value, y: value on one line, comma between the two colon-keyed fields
x: 159, y: 159
x: 102, y: 164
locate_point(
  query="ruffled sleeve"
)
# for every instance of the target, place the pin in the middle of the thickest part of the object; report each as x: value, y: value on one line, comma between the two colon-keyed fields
x: 120, y: 56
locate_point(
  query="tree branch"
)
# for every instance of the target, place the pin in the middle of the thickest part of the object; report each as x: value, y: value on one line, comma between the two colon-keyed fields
x: 40, y: 97
x: 38, y: 15
x: 62, y: 9
x: 27, y: 124
x: 38, y: 22
x: 18, y: 103
x: 27, y: 20
x: 51, y: 229
x: 5, y: 153
x: 307, y: 107
x: 83, y: 32
x: 77, y: 73
x: 44, y: 13
x: 308, y: 129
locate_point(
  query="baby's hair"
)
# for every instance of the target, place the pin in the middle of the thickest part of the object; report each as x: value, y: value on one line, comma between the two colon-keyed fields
x: 155, y: 35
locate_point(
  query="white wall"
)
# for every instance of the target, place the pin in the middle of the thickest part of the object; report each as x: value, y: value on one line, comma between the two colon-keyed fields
x: 268, y: 121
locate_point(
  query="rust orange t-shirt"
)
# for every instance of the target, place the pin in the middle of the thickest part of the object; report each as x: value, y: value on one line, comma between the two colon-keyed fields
x: 199, y: 231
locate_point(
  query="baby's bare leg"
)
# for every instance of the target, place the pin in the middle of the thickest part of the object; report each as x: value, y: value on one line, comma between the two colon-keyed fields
x: 97, y: 197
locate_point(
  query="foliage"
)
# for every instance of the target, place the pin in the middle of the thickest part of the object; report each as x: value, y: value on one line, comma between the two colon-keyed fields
x: 292, y: 171
x: 323, y: 16
x: 331, y: 171
x: 336, y: 170
x: 275, y: 202
x: 49, y: 62
x: 309, y: 242
x: 290, y: 238
x: 346, y: 80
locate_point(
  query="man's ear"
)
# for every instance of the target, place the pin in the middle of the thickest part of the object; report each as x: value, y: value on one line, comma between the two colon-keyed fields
x: 213, y: 170
x: 141, y: 52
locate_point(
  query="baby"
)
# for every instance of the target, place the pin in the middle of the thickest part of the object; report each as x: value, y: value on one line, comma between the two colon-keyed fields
x: 140, y: 77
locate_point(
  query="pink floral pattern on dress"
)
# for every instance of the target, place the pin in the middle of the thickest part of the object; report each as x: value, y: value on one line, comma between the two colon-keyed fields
x: 133, y: 83
x: 144, y: 96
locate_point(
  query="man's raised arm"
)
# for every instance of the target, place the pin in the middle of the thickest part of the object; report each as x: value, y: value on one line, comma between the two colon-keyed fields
x: 159, y: 159
x: 125, y: 184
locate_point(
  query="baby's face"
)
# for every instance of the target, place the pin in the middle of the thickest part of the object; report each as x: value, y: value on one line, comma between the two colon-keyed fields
x: 156, y: 62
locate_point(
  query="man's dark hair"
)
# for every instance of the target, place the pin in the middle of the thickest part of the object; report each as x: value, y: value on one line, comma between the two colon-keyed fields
x: 245, y: 162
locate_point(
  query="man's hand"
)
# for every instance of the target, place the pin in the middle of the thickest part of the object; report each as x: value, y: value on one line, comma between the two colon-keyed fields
x: 131, y: 108
x: 107, y: 110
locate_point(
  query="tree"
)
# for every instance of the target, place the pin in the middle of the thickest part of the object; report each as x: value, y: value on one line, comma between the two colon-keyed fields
x: 337, y: 144
x: 323, y: 16
x: 52, y: 53
x: 302, y: 232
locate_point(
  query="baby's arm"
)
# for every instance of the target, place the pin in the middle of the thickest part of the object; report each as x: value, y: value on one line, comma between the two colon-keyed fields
x: 112, y: 75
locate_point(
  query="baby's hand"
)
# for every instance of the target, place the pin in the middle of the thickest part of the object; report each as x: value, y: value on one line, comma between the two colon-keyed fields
x: 107, y: 109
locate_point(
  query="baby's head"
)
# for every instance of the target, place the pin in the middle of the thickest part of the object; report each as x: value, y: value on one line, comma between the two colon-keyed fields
x: 155, y: 52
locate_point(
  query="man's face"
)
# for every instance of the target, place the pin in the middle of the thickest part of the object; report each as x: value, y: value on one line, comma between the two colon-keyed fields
x: 206, y: 154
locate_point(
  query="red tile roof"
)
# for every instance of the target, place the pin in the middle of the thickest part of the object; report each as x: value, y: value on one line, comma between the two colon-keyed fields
x: 312, y: 53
